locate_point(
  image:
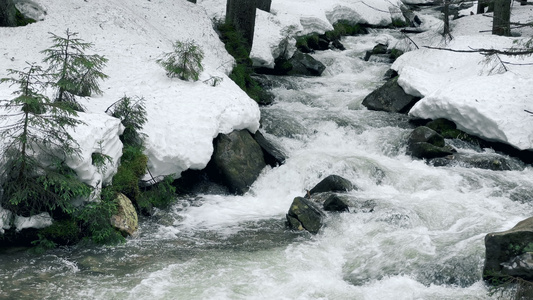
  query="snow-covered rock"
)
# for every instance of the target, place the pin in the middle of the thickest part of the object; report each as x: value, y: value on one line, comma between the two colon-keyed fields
x: 460, y: 87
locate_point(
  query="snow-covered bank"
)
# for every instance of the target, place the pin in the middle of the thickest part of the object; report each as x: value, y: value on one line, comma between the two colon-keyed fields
x: 183, y: 117
x: 475, y: 92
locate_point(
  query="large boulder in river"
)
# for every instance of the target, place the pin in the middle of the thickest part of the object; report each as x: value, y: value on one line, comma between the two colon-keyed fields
x: 425, y: 142
x: 305, y: 64
x: 273, y: 156
x: 390, y: 98
x: 506, y: 252
x: 125, y: 220
x: 304, y: 215
x: 332, y: 183
x: 237, y: 160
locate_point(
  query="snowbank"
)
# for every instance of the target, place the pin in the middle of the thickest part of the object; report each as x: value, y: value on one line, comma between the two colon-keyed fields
x: 461, y: 86
x: 99, y: 134
x: 183, y: 117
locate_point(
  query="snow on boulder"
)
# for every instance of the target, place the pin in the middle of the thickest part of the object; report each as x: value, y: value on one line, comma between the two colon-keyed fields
x: 470, y: 90
x: 494, y: 114
x: 99, y: 134
x: 181, y: 128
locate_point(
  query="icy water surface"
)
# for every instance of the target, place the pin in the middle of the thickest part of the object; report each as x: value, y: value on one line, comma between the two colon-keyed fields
x: 414, y: 232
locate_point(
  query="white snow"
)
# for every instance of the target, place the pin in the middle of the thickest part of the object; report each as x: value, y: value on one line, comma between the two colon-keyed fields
x: 41, y: 220
x: 475, y: 92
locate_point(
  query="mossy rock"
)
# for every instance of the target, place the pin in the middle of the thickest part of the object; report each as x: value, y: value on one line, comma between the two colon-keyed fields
x: 303, y: 214
x: 502, y: 247
x: 449, y: 130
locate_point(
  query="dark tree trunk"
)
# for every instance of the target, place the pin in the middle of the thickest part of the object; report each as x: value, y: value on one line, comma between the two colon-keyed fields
x: 264, y: 5
x: 241, y: 14
x: 7, y: 13
x: 446, y: 29
x: 501, y: 22
x: 482, y: 4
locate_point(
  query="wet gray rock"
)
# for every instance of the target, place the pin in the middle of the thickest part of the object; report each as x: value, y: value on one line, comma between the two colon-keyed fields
x: 378, y: 49
x: 237, y: 160
x: 305, y: 65
x: 488, y: 161
x: 424, y: 142
x: 332, y: 183
x: 304, y: 215
x: 504, y: 251
x: 273, y: 156
x: 390, y: 98
x: 336, y: 204
x: 520, y: 266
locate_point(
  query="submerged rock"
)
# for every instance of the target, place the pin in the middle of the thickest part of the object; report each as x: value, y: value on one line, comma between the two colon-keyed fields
x: 504, y: 249
x: 125, y: 220
x: 390, y: 98
x: 333, y: 183
x: 304, y: 214
x: 488, y: 161
x: 336, y: 204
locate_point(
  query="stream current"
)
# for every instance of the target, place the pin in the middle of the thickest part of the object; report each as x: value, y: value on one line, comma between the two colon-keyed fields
x: 414, y: 231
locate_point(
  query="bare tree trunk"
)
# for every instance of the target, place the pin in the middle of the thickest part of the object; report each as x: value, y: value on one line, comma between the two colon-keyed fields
x: 241, y: 14
x: 446, y: 10
x: 501, y: 22
x: 7, y: 13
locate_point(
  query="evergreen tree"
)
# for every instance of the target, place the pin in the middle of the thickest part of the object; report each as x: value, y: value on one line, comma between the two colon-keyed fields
x: 35, y: 143
x: 74, y: 72
x: 184, y: 62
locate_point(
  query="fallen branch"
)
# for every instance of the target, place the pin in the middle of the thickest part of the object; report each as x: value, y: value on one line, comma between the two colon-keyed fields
x: 487, y: 51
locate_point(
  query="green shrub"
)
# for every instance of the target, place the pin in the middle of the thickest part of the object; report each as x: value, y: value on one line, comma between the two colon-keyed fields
x: 21, y: 20
x: 95, y: 216
x: 184, y: 62
x: 131, y: 169
x: 160, y: 195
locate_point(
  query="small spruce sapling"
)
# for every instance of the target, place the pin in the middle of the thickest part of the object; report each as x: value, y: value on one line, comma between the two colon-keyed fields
x: 74, y: 72
x: 132, y: 114
x: 35, y: 144
x: 184, y: 62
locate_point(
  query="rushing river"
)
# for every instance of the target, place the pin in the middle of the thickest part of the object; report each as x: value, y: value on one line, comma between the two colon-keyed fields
x: 414, y: 231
